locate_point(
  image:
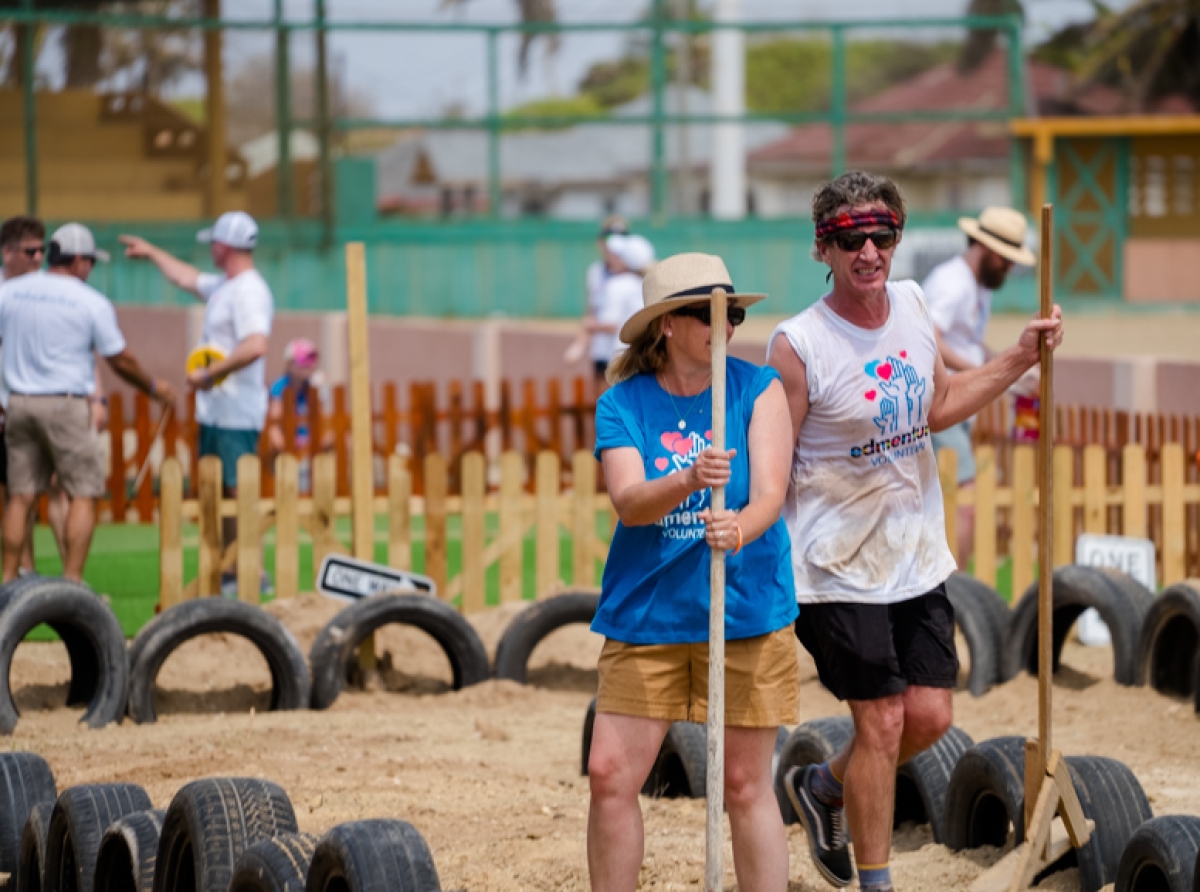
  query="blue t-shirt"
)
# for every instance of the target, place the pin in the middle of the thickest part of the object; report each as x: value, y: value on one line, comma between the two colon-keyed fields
x: 656, y: 581
x: 301, y: 393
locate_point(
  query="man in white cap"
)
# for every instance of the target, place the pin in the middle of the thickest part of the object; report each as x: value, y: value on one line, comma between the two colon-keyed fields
x: 51, y: 325
x: 629, y: 258
x: 959, y: 295
x: 231, y: 393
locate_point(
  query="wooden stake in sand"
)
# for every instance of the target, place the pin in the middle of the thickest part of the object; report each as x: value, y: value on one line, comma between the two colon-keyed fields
x: 714, y: 839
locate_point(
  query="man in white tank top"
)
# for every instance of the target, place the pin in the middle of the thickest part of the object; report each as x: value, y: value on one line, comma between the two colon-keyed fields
x: 867, y: 387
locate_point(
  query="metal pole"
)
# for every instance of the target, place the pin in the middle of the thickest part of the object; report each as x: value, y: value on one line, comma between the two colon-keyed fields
x: 838, y: 101
x: 215, y: 112
x: 658, y: 78
x: 495, y: 192
x: 1046, y: 499
x: 323, y: 129
x: 727, y: 170
x: 714, y: 837
x: 29, y: 106
x: 283, y: 116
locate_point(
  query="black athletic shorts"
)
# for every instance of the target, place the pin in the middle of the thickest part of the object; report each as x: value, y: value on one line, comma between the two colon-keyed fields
x: 870, y: 651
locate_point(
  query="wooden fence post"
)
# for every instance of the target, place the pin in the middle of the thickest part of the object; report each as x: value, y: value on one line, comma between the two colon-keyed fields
x: 287, y: 540
x: 473, y: 570
x: 116, y: 435
x: 1095, y: 484
x: 1133, y: 488
x: 583, y: 557
x: 1174, y: 541
x: 1022, y: 544
x: 170, y: 531
x: 249, y: 537
x: 1064, y: 510
x: 512, y: 470
x: 144, y: 497
x: 435, y: 520
x: 985, y: 514
x: 399, y: 513
x: 548, y: 484
x: 209, y: 491
x: 947, y: 461
x: 324, y: 489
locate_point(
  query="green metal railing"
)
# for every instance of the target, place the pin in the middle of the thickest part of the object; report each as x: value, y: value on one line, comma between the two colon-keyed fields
x: 838, y: 116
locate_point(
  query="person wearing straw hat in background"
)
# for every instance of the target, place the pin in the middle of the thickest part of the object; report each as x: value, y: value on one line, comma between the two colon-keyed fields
x: 959, y: 295
x: 51, y: 326
x: 231, y: 392
x: 653, y: 437
x: 866, y: 385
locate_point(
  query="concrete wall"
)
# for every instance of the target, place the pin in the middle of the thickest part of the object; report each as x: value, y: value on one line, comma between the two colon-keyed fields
x: 1162, y: 270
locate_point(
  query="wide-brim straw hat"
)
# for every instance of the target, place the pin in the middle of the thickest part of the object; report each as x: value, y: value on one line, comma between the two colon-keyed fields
x: 1003, y: 231
x: 678, y: 281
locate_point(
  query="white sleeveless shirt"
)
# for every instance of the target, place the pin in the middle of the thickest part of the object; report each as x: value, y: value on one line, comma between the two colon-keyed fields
x: 864, y: 505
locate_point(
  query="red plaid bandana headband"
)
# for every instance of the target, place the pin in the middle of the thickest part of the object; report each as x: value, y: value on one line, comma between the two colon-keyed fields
x: 856, y: 220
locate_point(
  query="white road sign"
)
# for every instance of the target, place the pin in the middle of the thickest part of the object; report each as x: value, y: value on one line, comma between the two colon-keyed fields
x: 350, y: 579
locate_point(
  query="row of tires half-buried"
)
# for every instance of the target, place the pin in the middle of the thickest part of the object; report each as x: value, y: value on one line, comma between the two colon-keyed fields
x: 217, y: 835
x: 973, y: 795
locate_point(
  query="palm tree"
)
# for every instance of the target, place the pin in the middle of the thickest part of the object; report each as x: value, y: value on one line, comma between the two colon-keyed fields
x: 531, y: 11
x: 980, y: 42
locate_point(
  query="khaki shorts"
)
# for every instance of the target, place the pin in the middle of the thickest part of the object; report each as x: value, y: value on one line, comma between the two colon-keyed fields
x: 48, y: 434
x: 670, y: 681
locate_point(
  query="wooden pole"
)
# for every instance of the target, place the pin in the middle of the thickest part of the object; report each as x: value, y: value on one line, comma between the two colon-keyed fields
x: 714, y: 840
x: 214, y: 113
x: 1045, y: 510
x: 362, y: 464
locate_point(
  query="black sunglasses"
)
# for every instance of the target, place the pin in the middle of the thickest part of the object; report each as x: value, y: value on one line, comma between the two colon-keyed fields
x: 853, y: 241
x: 34, y: 251
x: 735, y: 314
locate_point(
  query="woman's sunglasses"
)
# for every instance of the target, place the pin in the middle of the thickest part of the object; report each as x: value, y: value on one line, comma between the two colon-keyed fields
x: 735, y: 314
x: 853, y: 241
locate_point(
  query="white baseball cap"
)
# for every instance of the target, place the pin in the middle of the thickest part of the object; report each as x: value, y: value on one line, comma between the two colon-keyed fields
x: 236, y: 229
x: 632, y: 250
x: 75, y: 240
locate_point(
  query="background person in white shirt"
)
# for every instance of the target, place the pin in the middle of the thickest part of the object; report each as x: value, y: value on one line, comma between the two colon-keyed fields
x: 630, y: 256
x: 238, y: 314
x: 597, y: 347
x: 959, y: 296
x: 51, y: 325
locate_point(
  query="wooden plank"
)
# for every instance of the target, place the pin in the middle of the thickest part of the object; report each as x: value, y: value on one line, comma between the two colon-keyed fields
x: 1063, y: 525
x: 583, y: 470
x: 399, y: 508
x: 249, y: 542
x: 474, y: 487
x: 985, y: 514
x: 1033, y: 779
x: 436, y: 548
x: 1023, y: 546
x: 548, y: 472
x: 209, y: 492
x: 1068, y: 801
x: 144, y: 497
x: 1174, y: 538
x: 948, y: 475
x: 287, y: 539
x: 1037, y: 837
x: 1050, y: 481
x: 362, y: 464
x: 512, y: 470
x: 324, y: 485
x: 170, y: 534
x: 1095, y: 480
x: 1133, y: 491
x: 116, y: 438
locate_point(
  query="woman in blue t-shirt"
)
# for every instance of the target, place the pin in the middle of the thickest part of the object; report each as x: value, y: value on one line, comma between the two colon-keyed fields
x: 654, y: 438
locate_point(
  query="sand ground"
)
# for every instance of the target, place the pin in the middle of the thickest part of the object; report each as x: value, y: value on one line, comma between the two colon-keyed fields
x: 491, y: 774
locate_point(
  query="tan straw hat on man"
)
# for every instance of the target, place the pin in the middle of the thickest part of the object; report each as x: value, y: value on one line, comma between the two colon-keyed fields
x: 1002, y: 230
x: 678, y: 281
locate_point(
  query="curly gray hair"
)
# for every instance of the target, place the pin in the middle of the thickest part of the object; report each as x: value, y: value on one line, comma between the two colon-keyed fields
x: 853, y: 189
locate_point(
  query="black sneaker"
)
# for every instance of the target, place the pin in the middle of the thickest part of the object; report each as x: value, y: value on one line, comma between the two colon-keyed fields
x: 825, y: 825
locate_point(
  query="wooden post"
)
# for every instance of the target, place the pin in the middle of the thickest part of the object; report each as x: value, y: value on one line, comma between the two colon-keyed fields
x: 473, y: 567
x: 547, y: 523
x: 1095, y: 483
x: 1133, y: 487
x: 324, y: 484
x: 985, y: 514
x: 512, y: 468
x: 1045, y: 515
x: 214, y: 118
x: 287, y: 539
x: 249, y: 537
x: 1022, y: 547
x: 1063, y: 531
x: 435, y: 520
x: 361, y: 465
x: 1174, y: 541
x: 170, y: 532
x: 116, y: 436
x: 144, y: 487
x: 715, y: 786
x: 209, y: 488
x: 583, y: 558
x: 399, y: 513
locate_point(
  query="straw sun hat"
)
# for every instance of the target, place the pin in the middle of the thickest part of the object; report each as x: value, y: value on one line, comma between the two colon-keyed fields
x: 1002, y: 230
x: 678, y: 281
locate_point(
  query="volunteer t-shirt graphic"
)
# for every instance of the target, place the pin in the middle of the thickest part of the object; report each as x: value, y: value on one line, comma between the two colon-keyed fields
x: 680, y: 451
x: 898, y: 391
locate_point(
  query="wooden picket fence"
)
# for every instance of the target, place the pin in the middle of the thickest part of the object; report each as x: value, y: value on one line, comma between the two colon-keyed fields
x: 1165, y: 510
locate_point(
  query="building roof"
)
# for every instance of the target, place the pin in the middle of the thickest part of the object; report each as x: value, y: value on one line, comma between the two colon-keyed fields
x: 942, y: 144
x: 584, y: 154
